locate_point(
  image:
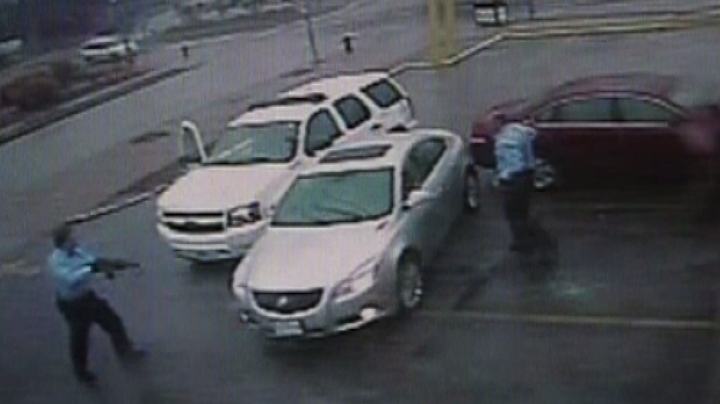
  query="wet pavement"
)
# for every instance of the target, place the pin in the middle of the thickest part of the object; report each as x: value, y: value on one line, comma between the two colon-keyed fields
x: 627, y: 316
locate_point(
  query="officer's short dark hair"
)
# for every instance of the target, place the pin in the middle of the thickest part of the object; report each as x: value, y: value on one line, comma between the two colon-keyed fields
x: 61, y: 234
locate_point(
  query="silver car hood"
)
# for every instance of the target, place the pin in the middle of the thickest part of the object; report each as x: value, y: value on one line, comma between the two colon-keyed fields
x: 288, y: 259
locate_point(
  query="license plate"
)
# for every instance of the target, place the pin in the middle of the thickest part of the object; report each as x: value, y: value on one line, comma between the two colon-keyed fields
x: 287, y: 329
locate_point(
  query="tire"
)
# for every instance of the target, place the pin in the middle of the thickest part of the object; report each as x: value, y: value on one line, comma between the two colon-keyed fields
x: 471, y: 191
x: 409, y: 285
x: 546, y: 175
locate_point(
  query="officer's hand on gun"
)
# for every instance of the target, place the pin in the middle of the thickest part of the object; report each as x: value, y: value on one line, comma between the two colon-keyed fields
x: 109, y: 267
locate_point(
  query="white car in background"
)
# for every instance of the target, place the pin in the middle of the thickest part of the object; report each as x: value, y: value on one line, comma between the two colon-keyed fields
x: 359, y: 97
x: 108, y: 48
x: 350, y: 238
x: 222, y: 206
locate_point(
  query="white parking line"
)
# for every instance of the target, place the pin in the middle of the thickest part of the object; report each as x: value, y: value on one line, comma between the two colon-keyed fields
x: 574, y: 320
x: 19, y: 268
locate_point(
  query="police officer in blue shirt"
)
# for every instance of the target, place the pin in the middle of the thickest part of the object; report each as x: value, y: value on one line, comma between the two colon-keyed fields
x: 73, y: 270
x: 515, y: 157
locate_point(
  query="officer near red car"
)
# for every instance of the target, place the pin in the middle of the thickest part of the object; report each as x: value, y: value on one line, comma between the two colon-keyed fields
x: 515, y: 156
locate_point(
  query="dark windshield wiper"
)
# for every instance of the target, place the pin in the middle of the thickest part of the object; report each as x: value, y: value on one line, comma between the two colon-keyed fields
x: 252, y: 160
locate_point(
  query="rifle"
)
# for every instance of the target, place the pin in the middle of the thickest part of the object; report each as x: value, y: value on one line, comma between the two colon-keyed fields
x: 110, y: 266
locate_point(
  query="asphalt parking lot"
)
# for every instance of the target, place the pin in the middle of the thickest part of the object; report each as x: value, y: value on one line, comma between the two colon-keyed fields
x: 625, y: 317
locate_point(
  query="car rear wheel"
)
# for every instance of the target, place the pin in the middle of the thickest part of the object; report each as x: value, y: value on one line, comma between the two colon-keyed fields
x: 546, y: 175
x: 409, y: 285
x: 471, y: 199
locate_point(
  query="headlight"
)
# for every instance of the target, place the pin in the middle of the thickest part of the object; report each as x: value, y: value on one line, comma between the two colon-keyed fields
x: 244, y: 215
x: 358, y: 283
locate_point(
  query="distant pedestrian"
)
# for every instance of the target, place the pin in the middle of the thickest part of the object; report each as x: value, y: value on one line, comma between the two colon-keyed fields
x: 347, y: 41
x: 515, y: 156
x: 530, y: 5
x: 73, y: 269
x: 185, y: 50
x: 129, y: 53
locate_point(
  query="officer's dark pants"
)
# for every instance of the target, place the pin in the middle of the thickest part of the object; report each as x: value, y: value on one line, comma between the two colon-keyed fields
x: 527, y: 235
x: 80, y: 314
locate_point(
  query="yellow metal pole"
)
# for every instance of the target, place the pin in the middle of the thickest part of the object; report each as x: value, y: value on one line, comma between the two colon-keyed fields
x: 442, y: 26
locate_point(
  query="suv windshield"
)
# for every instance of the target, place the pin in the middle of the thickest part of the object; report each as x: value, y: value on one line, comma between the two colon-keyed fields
x: 338, y: 197
x: 274, y: 142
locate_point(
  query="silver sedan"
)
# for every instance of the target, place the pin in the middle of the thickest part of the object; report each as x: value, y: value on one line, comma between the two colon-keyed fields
x: 348, y: 242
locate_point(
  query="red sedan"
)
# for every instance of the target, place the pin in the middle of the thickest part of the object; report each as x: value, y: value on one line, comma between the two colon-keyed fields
x: 636, y: 126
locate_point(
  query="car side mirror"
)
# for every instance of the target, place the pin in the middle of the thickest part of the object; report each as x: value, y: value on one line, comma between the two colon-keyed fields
x: 417, y: 198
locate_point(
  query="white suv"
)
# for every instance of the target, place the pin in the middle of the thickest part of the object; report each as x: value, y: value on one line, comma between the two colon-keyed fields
x: 362, y: 98
x: 221, y: 207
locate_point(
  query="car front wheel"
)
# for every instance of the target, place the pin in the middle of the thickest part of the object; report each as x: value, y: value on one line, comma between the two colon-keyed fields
x: 546, y: 175
x: 409, y: 285
x: 471, y: 192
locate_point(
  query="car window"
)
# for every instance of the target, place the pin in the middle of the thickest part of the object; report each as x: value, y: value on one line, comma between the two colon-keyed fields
x: 383, y: 93
x: 641, y: 110
x: 101, y: 45
x: 270, y: 142
x: 337, y: 197
x: 322, y: 131
x: 581, y: 110
x: 353, y: 111
x: 419, y: 163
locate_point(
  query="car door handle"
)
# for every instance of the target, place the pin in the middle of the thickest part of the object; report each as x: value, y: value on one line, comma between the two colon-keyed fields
x: 376, y: 126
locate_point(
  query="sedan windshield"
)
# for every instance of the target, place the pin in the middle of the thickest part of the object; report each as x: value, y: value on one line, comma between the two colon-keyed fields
x: 332, y: 198
x: 274, y: 142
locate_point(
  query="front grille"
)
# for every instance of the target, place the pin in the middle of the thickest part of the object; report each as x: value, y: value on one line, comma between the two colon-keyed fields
x: 288, y: 302
x: 195, y: 228
x: 195, y: 223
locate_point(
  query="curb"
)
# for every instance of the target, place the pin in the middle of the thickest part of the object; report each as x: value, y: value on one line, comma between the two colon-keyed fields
x: 73, y: 107
x: 588, y: 21
x: 115, y: 207
x: 598, y: 26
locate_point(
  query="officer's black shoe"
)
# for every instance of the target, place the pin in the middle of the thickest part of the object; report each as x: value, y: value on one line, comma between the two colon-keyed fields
x: 86, y: 377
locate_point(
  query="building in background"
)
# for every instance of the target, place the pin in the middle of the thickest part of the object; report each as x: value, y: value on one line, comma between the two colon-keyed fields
x: 10, y: 41
x: 9, y: 27
x: 45, y: 24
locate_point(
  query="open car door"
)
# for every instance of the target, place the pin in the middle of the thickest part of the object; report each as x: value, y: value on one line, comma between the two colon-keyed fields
x: 191, y: 145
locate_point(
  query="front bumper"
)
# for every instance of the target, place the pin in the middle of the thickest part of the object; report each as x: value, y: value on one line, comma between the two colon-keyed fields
x: 327, y: 318
x: 229, y: 244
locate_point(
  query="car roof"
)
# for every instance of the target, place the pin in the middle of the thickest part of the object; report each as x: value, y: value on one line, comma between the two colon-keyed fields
x: 395, y: 145
x: 103, y: 39
x: 636, y: 82
x: 337, y: 86
x: 276, y: 111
